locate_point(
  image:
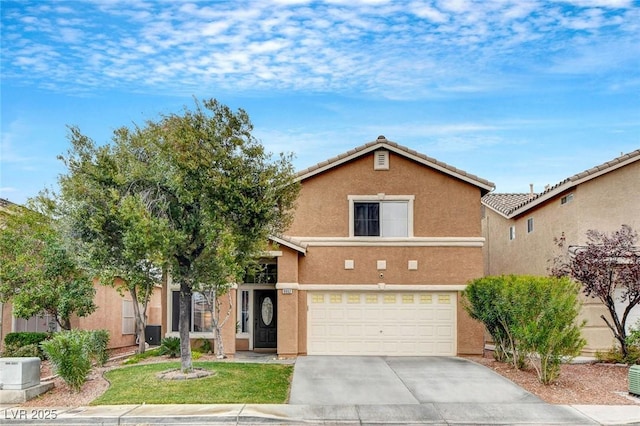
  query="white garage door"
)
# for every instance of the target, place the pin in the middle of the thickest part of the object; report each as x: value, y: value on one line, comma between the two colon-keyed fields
x: 381, y: 323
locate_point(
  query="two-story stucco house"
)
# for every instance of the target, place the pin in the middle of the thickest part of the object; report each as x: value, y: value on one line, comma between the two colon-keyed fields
x: 383, y: 241
x: 520, y: 228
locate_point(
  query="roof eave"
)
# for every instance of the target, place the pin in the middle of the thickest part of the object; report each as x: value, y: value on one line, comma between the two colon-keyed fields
x: 568, y: 185
x: 360, y: 151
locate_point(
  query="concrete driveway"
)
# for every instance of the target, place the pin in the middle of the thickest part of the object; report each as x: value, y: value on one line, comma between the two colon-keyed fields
x: 433, y: 389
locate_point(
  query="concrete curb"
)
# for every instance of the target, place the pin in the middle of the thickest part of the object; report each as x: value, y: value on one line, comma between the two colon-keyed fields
x: 241, y: 414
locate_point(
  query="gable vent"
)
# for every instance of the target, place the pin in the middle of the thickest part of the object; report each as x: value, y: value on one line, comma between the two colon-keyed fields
x: 381, y: 160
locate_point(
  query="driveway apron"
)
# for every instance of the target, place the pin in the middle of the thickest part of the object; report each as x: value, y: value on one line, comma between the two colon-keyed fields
x: 432, y: 390
x: 347, y: 380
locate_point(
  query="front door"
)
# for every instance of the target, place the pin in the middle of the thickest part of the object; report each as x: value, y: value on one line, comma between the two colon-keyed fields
x: 265, y: 319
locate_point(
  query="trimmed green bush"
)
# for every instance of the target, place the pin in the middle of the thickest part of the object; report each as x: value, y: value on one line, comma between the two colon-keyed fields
x: 170, y: 346
x: 530, y: 319
x: 68, y: 351
x: 24, y: 344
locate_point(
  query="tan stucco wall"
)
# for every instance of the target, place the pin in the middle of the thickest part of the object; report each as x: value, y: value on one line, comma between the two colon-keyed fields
x: 604, y: 203
x: 444, y: 206
x: 470, y: 332
x: 436, y: 265
x: 287, y: 323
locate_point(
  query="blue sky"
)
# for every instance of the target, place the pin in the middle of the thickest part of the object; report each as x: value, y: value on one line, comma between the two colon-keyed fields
x: 516, y: 92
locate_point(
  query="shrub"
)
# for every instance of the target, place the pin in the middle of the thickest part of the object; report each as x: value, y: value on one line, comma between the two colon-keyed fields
x: 98, y: 341
x: 31, y: 350
x: 170, y: 346
x: 530, y: 318
x: 206, y: 347
x: 483, y: 300
x: 68, y: 351
x: 24, y: 344
x: 546, y: 328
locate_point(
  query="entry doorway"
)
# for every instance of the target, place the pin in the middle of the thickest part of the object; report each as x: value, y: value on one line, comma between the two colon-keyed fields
x: 265, y: 319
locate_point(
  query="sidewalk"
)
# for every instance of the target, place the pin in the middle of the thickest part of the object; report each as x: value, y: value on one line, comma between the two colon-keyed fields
x: 244, y: 414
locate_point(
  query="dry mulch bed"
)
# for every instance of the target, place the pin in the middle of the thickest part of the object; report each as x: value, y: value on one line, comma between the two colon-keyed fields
x: 578, y: 384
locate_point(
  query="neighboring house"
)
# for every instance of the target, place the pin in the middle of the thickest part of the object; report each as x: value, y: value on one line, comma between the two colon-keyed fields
x: 114, y: 313
x: 520, y: 228
x: 383, y: 241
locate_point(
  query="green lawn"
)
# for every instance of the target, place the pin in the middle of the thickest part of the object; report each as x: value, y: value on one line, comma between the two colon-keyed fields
x: 232, y: 383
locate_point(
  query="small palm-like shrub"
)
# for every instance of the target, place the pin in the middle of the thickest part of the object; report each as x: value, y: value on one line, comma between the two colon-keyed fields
x: 170, y: 346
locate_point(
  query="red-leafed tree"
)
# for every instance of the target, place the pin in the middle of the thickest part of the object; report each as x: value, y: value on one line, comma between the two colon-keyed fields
x: 608, y: 262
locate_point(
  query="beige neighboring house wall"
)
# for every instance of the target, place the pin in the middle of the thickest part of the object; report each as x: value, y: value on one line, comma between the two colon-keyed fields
x: 602, y: 198
x: 113, y: 312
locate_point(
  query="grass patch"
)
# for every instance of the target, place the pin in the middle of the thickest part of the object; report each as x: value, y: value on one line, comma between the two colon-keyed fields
x: 233, y: 383
x: 134, y: 359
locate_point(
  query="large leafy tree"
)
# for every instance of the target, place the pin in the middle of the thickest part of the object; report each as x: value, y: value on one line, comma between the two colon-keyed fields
x: 223, y: 195
x: 202, y: 196
x: 39, y: 273
x: 106, y: 204
x: 607, y: 263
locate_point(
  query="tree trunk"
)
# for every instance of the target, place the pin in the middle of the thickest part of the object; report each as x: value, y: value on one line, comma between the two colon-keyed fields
x: 184, y: 327
x: 141, y: 320
x: 218, y: 324
x: 64, y: 323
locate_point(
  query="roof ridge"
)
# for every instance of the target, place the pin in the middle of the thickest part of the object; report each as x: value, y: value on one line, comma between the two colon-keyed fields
x: 382, y: 140
x: 575, y: 177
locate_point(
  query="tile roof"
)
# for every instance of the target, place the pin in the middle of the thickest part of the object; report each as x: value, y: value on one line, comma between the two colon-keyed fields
x: 510, y: 205
x: 382, y: 142
x: 505, y: 202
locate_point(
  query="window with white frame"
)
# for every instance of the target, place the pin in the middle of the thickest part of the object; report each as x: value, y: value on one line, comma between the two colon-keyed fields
x: 128, y: 317
x: 529, y: 225
x: 387, y: 217
x: 512, y: 233
x: 200, y: 319
x: 243, y: 307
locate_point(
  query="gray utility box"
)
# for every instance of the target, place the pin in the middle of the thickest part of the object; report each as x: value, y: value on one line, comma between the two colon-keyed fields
x: 634, y: 380
x: 19, y: 373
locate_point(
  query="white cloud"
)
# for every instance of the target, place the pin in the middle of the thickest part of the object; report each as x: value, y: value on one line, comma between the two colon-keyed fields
x: 390, y: 49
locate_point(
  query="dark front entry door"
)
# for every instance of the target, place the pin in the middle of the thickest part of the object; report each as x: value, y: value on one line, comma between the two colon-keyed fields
x: 265, y: 319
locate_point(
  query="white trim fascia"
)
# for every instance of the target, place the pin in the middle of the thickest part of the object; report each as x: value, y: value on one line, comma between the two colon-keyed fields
x: 393, y: 242
x: 292, y: 286
x: 382, y: 287
x: 289, y: 244
x: 193, y: 335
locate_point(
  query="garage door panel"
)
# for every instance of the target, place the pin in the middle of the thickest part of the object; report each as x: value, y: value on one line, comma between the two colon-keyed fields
x: 381, y: 323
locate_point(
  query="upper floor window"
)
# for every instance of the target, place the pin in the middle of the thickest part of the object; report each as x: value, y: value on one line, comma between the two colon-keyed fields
x: 388, y: 217
x: 512, y: 232
x: 530, y: 225
x: 566, y: 199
